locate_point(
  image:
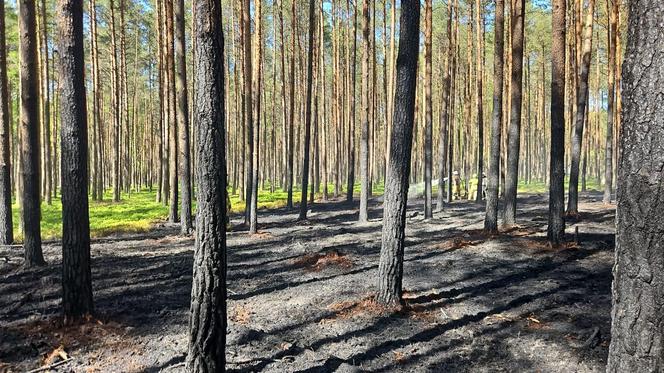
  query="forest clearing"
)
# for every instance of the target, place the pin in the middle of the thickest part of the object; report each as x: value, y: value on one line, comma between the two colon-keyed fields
x: 204, y: 186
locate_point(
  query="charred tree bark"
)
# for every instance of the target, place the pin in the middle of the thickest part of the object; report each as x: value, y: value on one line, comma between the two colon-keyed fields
x: 479, y: 29
x: 284, y: 108
x: 452, y: 104
x: 307, y: 113
x: 637, y: 333
x: 257, y: 81
x: 612, y: 10
x: 29, y: 75
x: 390, y: 272
x: 351, y: 104
x: 76, y: 274
x: 514, y: 132
x: 248, y: 106
x: 364, y: 131
x: 161, y: 152
x: 581, y: 104
x: 491, y: 216
x: 445, y: 116
x: 291, y: 120
x: 124, y: 97
x: 183, y: 119
x: 390, y: 80
x: 6, y: 225
x: 47, y: 166
x: 173, y: 215
x: 97, y: 184
x: 556, y: 228
x: 428, y: 111
x: 115, y: 105
x: 323, y: 114
x: 207, y: 320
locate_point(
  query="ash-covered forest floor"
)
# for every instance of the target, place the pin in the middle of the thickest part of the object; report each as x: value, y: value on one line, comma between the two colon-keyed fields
x: 300, y: 297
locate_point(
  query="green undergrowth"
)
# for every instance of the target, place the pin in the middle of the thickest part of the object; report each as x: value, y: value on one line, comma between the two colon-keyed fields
x: 279, y: 198
x: 540, y: 187
x: 135, y: 213
x: 138, y: 212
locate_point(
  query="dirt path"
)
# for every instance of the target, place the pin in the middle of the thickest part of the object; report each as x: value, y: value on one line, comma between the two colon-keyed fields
x: 300, y: 297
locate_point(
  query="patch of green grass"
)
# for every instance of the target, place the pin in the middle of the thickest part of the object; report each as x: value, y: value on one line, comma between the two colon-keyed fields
x: 377, y: 189
x: 134, y: 213
x: 534, y: 187
x: 540, y: 187
x: 265, y: 200
x: 138, y: 212
x: 279, y: 198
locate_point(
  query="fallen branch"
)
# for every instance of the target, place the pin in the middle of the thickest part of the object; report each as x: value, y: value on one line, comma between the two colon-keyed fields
x: 247, y: 361
x: 51, y: 366
x: 284, y: 359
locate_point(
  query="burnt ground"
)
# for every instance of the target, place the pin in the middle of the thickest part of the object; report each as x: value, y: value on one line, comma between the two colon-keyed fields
x: 300, y: 297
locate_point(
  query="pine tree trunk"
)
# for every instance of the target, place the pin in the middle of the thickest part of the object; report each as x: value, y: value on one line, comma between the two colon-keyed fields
x: 637, y: 337
x: 491, y: 216
x: 160, y: 68
x: 479, y: 26
x: 6, y: 225
x: 351, y: 66
x: 207, y: 319
x: 452, y: 111
x: 46, y: 106
x: 390, y: 272
x: 445, y: 116
x: 167, y: 108
x: 134, y: 161
x: 556, y: 227
x: 389, y: 109
x: 323, y: 115
x: 618, y: 90
x: 428, y: 120
x: 320, y: 101
x: 183, y: 119
x: 76, y: 274
x: 173, y: 215
x: 29, y: 75
x: 257, y: 81
x: 97, y: 189
x: 612, y: 10
x: 514, y: 131
x: 284, y: 108
x: 124, y: 99
x: 237, y: 104
x: 248, y: 106
x: 99, y: 138
x: 372, y: 99
x: 291, y: 121
x: 579, y: 120
x: 364, y: 117
x: 115, y: 103
x: 308, y: 113
x: 507, y: 100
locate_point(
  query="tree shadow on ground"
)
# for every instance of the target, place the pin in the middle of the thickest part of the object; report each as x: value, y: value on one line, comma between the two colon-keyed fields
x: 145, y: 283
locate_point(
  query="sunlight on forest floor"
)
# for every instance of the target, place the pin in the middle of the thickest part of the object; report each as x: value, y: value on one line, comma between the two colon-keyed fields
x: 135, y: 213
x: 301, y: 295
x: 138, y: 212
